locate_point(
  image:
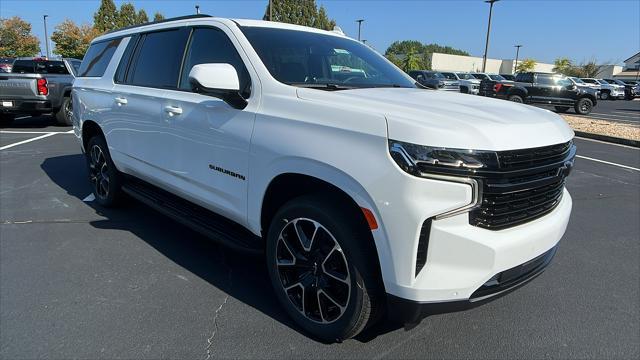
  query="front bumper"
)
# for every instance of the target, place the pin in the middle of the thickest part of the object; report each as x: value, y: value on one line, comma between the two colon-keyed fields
x: 411, y: 312
x: 20, y: 106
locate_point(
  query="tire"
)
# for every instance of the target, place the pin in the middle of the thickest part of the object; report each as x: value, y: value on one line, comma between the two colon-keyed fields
x: 345, y: 302
x: 583, y: 106
x: 516, y: 99
x: 562, y: 109
x: 64, y: 114
x: 104, y: 178
x: 604, y: 96
x: 464, y: 89
x: 6, y: 119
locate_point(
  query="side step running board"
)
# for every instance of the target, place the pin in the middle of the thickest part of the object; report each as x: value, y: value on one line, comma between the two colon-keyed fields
x: 214, y: 226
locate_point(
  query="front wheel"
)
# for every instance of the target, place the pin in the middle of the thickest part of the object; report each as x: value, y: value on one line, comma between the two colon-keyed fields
x: 516, y: 98
x: 583, y: 106
x: 321, y: 263
x: 604, y: 95
x: 105, y: 179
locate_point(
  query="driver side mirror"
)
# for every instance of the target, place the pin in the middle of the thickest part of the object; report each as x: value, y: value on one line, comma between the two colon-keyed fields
x: 571, y: 87
x: 217, y: 80
x: 420, y: 78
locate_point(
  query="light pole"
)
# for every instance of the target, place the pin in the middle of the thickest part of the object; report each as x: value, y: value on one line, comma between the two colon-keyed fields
x: 359, y: 21
x: 46, y: 35
x: 270, y: 10
x: 486, y: 46
x: 197, y: 9
x: 515, y: 66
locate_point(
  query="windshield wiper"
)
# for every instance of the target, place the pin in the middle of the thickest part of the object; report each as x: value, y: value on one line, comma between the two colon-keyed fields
x: 323, y: 86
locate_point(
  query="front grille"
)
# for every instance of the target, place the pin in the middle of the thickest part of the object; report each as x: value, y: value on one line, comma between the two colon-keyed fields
x: 528, y: 184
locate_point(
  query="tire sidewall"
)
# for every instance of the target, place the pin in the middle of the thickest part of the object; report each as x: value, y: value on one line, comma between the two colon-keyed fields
x: 344, y: 326
x: 579, y: 105
x: 62, y: 116
x: 113, y: 194
x: 516, y: 99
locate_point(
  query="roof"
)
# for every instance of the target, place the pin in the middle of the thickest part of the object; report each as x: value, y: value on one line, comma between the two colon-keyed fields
x: 632, y: 56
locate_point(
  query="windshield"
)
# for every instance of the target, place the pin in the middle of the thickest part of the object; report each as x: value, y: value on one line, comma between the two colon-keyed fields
x: 577, y: 80
x: 480, y: 76
x: 465, y: 76
x: 450, y: 76
x: 497, y: 77
x: 307, y: 59
x: 602, y: 82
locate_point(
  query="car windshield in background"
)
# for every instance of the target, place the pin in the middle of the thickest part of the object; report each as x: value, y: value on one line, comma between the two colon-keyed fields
x: 438, y: 76
x: 497, y: 77
x: 578, y: 81
x: 602, y: 82
x: 450, y: 76
x: 480, y: 76
x: 39, y: 67
x: 314, y: 60
x: 465, y: 76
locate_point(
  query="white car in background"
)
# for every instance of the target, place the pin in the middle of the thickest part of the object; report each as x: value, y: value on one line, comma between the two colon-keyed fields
x: 607, y: 91
x: 468, y: 83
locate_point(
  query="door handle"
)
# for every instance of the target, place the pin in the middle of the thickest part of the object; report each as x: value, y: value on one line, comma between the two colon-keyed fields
x: 121, y: 101
x: 173, y: 110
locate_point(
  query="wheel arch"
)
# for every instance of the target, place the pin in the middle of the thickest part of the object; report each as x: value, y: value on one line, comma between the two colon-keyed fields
x: 90, y: 128
x: 516, y: 90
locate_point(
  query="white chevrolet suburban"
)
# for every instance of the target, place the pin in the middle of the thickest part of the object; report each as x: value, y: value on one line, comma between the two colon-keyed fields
x: 368, y: 195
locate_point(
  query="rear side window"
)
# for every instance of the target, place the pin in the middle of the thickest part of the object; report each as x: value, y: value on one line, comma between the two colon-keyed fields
x: 158, y: 59
x: 526, y: 77
x: 97, y: 58
x: 210, y: 45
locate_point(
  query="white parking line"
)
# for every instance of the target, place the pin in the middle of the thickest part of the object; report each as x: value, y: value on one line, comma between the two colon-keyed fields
x: 27, y: 141
x: 32, y: 132
x: 608, y: 163
x: 607, y: 143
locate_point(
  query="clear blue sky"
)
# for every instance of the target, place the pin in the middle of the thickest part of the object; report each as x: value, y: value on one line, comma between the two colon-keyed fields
x: 606, y: 30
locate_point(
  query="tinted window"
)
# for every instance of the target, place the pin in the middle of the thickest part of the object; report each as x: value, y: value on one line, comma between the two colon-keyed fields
x: 544, y: 79
x: 39, y: 67
x: 97, y: 58
x: 158, y: 59
x: 209, y: 45
x: 308, y: 59
x: 450, y: 76
x: 527, y: 77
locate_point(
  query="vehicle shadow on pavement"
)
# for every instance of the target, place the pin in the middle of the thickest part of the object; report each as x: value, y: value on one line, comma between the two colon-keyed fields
x: 241, y: 276
x: 31, y: 122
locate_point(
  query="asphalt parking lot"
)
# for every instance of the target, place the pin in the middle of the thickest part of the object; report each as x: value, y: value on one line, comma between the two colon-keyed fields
x: 621, y: 111
x: 80, y: 281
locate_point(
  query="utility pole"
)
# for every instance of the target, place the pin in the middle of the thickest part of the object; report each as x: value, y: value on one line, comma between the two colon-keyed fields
x: 515, y: 66
x: 46, y: 35
x: 359, y: 21
x: 197, y: 9
x: 270, y: 10
x: 486, y: 46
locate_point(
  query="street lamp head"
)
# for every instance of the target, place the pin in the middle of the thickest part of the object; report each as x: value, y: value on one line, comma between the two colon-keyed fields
x: 359, y: 20
x: 491, y: 1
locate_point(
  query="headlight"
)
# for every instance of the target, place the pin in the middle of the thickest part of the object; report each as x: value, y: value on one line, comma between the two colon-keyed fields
x: 421, y: 160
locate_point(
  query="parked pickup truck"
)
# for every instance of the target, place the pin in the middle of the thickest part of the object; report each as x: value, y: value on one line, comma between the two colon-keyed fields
x: 551, y: 89
x: 468, y: 83
x: 607, y: 91
x: 38, y: 86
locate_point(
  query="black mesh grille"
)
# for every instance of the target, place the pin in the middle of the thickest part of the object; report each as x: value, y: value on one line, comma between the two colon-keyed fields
x: 528, y: 184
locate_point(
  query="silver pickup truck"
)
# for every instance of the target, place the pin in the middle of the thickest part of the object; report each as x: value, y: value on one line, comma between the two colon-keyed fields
x: 38, y: 86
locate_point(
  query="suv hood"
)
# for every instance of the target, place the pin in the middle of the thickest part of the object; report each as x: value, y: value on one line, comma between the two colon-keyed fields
x: 454, y: 120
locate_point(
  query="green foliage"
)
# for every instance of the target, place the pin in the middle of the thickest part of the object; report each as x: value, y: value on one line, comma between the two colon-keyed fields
x: 71, y: 40
x: 299, y: 12
x: 562, y: 65
x: 107, y: 17
x: 526, y: 65
x: 16, y: 38
x: 127, y: 15
x: 589, y: 69
x: 142, y: 17
x: 417, y: 55
x: 158, y: 16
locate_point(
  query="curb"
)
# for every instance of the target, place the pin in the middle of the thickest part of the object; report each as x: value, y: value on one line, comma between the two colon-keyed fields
x: 606, y: 138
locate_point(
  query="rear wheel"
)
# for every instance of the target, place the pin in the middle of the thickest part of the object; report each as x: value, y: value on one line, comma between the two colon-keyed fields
x: 562, y: 109
x: 604, y: 95
x: 464, y: 89
x: 63, y: 116
x: 516, y: 98
x: 105, y: 179
x: 583, y: 106
x: 322, y: 266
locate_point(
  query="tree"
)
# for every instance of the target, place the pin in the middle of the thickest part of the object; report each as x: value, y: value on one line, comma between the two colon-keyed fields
x: 142, y: 17
x: 526, y: 65
x: 106, y: 18
x: 71, y: 40
x: 299, y: 12
x: 400, y: 49
x: 16, y: 38
x: 158, y: 16
x: 127, y: 15
x: 412, y: 60
x: 563, y: 66
x: 590, y: 69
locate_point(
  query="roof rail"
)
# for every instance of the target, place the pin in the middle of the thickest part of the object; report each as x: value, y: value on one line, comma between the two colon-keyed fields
x: 159, y: 22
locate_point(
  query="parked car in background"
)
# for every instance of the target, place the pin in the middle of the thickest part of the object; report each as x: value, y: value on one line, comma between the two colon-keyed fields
x: 607, y: 91
x: 550, y: 89
x: 468, y: 84
x: 434, y: 80
x: 367, y: 198
x: 491, y: 83
x: 38, y: 86
x: 6, y: 64
x: 629, y: 90
x: 509, y: 76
